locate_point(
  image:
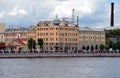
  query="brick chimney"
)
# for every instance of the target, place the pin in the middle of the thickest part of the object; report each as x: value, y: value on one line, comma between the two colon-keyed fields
x: 112, y: 15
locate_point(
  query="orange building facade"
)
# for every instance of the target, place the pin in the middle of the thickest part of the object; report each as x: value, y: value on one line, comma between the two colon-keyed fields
x: 58, y: 37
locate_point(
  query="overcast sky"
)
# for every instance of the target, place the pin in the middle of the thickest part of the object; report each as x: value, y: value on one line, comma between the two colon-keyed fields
x: 92, y: 13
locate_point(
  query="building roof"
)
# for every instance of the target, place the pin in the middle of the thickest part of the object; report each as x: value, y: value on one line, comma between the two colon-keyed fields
x: 106, y: 28
x: 56, y: 21
x: 19, y: 41
x: 90, y: 29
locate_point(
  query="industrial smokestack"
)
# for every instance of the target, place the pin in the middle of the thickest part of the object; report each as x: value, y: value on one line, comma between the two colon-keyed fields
x: 112, y: 15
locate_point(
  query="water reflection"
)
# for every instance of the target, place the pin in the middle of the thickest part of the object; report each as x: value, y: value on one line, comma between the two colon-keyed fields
x: 60, y: 68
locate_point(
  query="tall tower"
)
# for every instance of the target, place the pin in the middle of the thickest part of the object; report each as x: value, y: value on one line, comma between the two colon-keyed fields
x: 77, y: 20
x: 112, y: 15
x: 73, y: 15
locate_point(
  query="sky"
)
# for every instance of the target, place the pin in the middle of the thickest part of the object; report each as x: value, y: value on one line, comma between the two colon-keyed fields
x: 23, y: 13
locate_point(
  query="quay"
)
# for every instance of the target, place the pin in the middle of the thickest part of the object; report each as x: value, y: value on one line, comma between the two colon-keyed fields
x: 57, y: 55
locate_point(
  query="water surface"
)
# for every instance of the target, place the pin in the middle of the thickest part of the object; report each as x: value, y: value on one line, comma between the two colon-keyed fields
x: 60, y: 68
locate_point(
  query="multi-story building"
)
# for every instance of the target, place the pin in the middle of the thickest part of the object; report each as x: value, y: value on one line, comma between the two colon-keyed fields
x: 1, y: 37
x: 19, y: 36
x: 88, y: 37
x: 58, y: 35
x: 31, y: 33
x: 16, y: 37
x: 2, y: 27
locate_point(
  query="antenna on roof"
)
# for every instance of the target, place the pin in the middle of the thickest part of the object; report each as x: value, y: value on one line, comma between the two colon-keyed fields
x: 73, y: 15
x: 77, y: 20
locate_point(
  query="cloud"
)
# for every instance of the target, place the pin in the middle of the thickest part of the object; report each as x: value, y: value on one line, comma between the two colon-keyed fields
x: 83, y: 8
x: 18, y: 12
x: 27, y: 12
x: 2, y: 13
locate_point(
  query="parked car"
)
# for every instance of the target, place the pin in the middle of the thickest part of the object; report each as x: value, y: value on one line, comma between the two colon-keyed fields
x: 1, y: 51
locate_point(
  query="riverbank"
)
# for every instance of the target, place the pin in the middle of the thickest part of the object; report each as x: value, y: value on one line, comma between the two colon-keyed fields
x: 57, y: 55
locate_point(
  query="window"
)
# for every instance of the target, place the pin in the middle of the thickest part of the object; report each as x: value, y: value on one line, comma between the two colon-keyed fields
x: 38, y: 34
x: 65, y: 39
x: 46, y: 28
x: 51, y: 39
x: 46, y: 34
x: 65, y: 34
x: 38, y: 29
x: 76, y: 34
x: 46, y: 39
x: 76, y: 39
x: 51, y: 34
x: 51, y: 28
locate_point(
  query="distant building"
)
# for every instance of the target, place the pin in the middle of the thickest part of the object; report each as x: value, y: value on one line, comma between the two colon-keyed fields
x: 2, y: 27
x: 15, y: 36
x: 1, y: 37
x: 31, y: 33
x: 88, y: 37
x: 19, y: 36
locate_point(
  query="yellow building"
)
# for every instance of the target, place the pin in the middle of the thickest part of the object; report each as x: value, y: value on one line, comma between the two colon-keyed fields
x: 2, y: 27
x: 88, y: 37
x: 19, y: 36
x: 15, y: 36
x: 58, y: 35
x: 31, y: 32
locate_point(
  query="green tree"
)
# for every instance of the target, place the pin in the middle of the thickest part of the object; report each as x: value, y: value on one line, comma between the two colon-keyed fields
x: 31, y: 44
x: 83, y: 48
x: 107, y: 47
x: 102, y: 47
x: 88, y: 47
x: 112, y: 34
x: 92, y: 47
x: 40, y: 43
x: 96, y: 47
x: 118, y: 45
x: 111, y: 44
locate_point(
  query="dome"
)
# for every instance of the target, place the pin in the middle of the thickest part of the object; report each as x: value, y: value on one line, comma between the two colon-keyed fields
x: 56, y: 21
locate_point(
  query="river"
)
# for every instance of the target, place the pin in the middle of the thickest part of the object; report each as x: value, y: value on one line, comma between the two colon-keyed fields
x: 92, y: 67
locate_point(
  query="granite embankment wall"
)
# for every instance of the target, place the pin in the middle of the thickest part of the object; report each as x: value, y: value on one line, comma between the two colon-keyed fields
x: 37, y: 55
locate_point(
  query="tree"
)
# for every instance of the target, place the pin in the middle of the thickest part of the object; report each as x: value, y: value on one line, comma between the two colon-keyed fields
x: 83, y: 47
x: 107, y: 47
x: 118, y: 45
x: 111, y: 45
x: 40, y: 43
x: 2, y: 45
x: 87, y: 47
x: 96, y: 47
x: 102, y: 47
x: 31, y: 44
x: 112, y: 34
x: 92, y: 47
